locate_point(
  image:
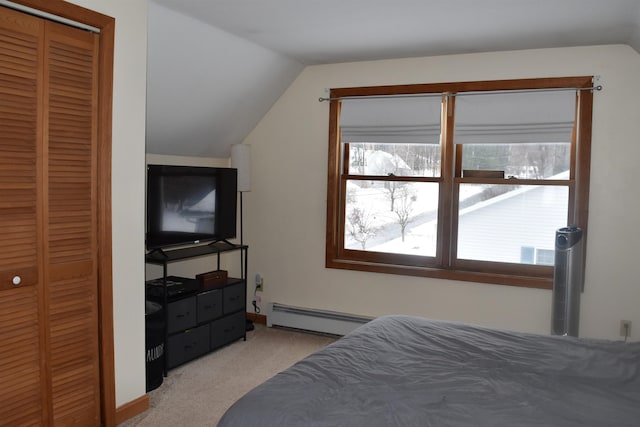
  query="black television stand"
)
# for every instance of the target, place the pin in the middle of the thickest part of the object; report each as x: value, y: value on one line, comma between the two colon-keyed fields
x: 204, y: 319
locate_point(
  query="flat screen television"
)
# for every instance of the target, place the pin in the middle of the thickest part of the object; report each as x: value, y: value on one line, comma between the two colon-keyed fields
x: 190, y: 205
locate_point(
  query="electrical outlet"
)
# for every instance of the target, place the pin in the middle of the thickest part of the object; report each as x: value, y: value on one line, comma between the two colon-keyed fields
x: 259, y: 283
x: 625, y: 328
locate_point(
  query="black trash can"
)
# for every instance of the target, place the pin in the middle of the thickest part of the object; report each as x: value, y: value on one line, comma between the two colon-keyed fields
x: 154, y: 344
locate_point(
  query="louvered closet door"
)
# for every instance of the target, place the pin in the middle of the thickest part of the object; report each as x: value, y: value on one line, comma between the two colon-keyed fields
x: 49, y: 343
x: 22, y: 377
x: 70, y: 251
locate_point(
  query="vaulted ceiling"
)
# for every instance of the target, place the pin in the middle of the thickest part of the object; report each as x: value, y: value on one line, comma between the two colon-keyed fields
x: 215, y: 67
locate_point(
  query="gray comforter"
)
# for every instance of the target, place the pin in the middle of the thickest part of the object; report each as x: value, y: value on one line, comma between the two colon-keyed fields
x: 410, y: 371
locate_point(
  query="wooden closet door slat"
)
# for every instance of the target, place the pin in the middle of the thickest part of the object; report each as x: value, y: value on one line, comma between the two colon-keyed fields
x: 71, y: 227
x: 22, y: 378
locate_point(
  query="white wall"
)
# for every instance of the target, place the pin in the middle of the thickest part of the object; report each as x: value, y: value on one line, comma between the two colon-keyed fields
x: 184, y: 101
x: 128, y: 151
x: 286, y: 208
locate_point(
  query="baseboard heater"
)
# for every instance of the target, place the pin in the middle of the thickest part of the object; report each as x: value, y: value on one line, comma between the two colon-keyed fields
x: 328, y: 322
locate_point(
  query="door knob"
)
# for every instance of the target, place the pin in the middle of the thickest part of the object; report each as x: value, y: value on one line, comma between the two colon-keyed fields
x: 17, y: 280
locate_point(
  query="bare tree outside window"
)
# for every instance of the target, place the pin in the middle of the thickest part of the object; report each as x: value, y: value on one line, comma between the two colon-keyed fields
x: 404, y: 207
x: 360, y: 226
x: 392, y: 189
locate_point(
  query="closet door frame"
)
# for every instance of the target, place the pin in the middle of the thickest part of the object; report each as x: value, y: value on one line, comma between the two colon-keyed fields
x: 106, y: 25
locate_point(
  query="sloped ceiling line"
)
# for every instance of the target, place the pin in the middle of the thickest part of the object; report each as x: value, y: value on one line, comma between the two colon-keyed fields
x: 216, y: 67
x: 206, y: 88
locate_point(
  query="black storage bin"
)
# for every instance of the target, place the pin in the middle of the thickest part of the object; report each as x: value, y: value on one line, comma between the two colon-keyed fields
x: 154, y: 344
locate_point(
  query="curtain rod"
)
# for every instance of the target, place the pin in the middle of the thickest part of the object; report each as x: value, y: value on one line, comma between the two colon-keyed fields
x: 49, y: 16
x: 440, y: 94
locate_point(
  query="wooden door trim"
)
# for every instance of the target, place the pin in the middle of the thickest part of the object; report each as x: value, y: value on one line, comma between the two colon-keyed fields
x: 131, y: 409
x: 106, y: 25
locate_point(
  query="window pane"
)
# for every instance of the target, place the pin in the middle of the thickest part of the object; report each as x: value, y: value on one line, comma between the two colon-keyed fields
x: 393, y: 217
x: 394, y: 159
x: 527, y: 254
x: 502, y: 223
x: 524, y: 161
x: 545, y: 256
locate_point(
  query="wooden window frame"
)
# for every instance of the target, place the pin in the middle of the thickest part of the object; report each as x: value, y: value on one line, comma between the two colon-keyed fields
x: 444, y: 265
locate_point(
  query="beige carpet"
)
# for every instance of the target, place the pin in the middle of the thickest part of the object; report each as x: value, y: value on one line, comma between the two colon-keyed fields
x: 199, y: 392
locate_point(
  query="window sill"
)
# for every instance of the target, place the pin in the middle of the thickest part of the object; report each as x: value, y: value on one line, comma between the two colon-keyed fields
x: 448, y: 274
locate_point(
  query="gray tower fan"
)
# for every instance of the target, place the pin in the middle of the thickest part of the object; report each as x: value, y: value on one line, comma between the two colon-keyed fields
x: 567, y: 281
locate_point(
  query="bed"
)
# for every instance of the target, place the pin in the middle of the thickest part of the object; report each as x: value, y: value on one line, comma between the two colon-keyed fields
x: 411, y: 371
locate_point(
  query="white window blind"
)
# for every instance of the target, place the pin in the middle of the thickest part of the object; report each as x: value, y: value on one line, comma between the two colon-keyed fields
x: 392, y: 120
x: 519, y: 117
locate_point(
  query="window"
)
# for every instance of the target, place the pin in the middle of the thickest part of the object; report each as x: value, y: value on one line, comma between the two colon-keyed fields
x: 531, y: 255
x: 465, y: 181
